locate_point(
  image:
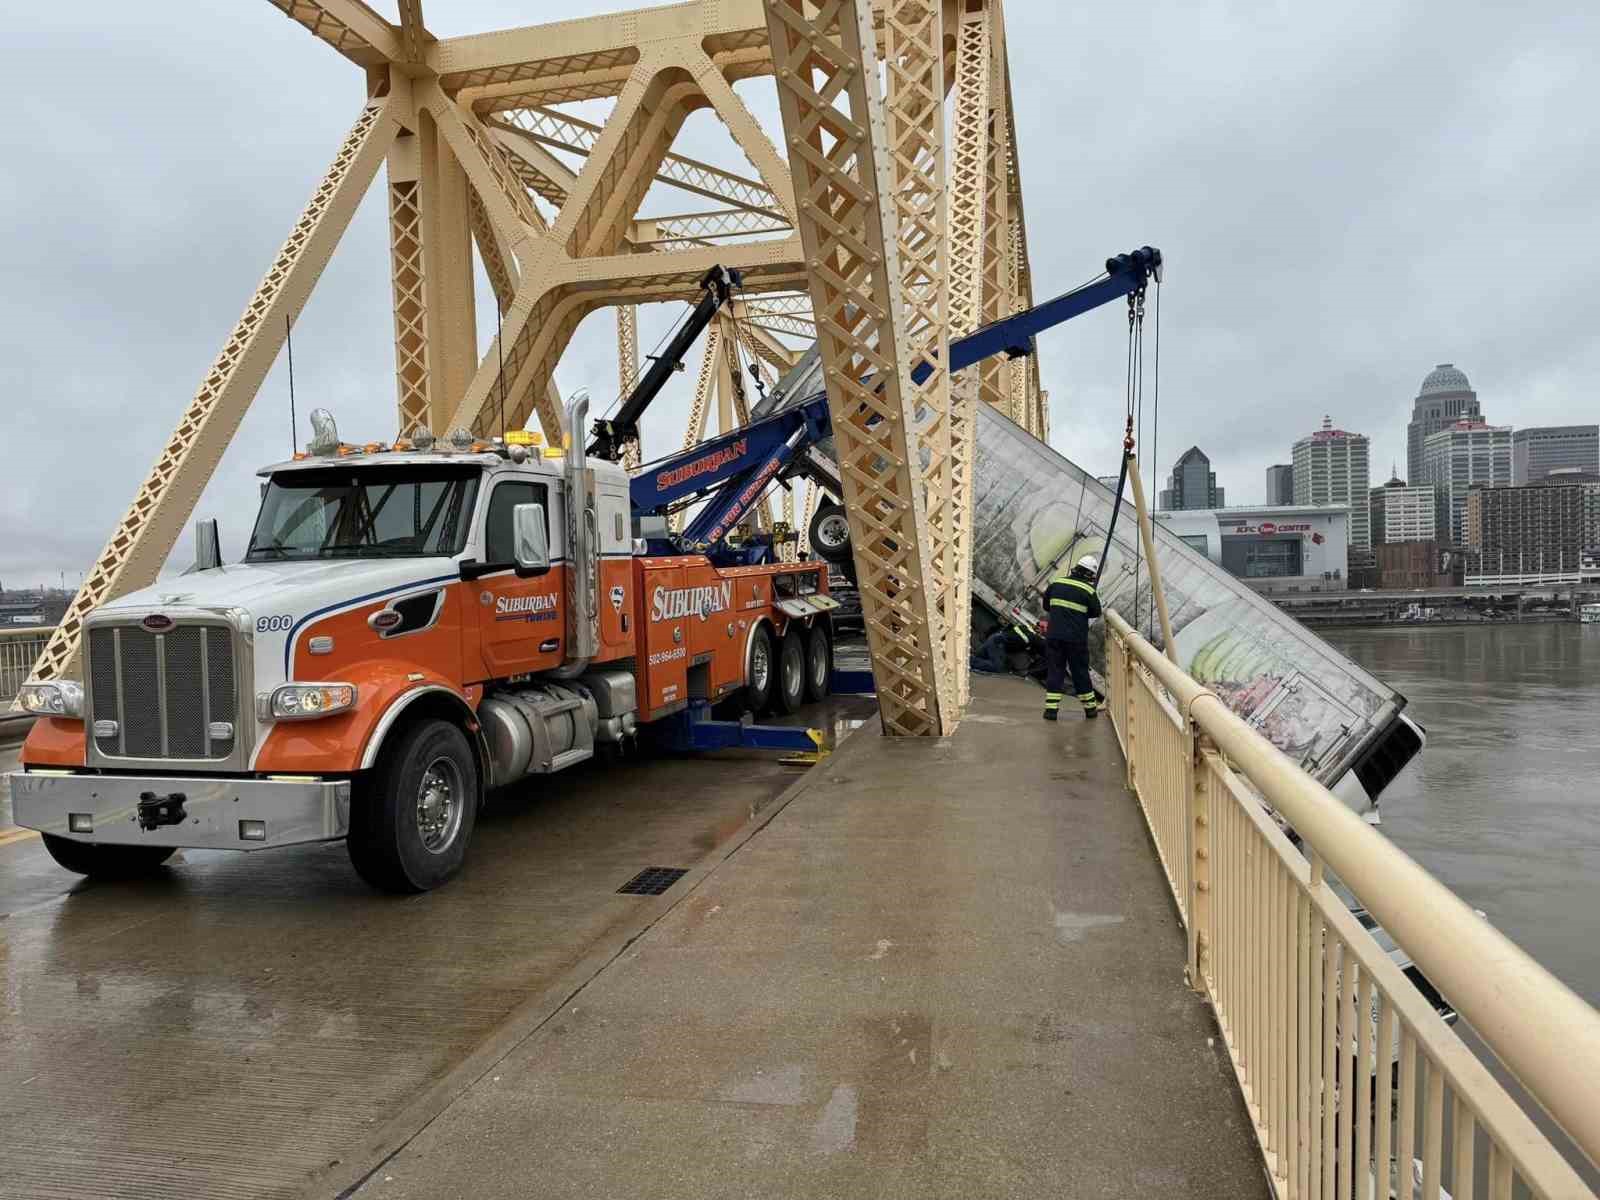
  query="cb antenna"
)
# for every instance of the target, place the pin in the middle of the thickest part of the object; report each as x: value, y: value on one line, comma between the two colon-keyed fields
x: 294, y: 431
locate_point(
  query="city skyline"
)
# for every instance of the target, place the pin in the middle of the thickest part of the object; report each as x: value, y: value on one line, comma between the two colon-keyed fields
x: 1578, y: 445
x: 1309, y: 279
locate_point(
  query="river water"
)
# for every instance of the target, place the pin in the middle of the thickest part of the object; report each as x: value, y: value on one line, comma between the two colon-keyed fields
x: 1503, y: 804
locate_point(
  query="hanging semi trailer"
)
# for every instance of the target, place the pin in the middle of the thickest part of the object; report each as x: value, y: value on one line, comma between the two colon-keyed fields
x: 1034, y: 512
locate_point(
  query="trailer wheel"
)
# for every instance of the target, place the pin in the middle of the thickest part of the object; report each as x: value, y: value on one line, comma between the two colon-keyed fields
x: 789, y: 690
x: 102, y: 861
x: 760, y: 671
x: 830, y: 533
x: 819, y: 664
x: 411, y: 821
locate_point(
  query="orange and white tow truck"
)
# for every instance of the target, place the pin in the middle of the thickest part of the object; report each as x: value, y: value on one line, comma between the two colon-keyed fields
x: 411, y: 626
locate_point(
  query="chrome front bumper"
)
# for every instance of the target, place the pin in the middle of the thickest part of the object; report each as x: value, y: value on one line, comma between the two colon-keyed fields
x: 217, y: 814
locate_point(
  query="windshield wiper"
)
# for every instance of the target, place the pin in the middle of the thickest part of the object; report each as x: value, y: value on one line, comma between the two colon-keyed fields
x: 276, y: 548
x: 374, y: 551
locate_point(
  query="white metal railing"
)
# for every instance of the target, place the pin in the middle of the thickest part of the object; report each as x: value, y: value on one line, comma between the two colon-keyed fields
x: 1286, y: 967
x: 19, y: 650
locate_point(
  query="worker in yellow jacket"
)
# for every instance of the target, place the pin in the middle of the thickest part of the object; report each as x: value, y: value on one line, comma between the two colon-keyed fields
x: 1072, y: 602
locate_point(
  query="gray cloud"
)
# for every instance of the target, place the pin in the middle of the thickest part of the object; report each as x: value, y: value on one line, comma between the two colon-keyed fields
x: 1345, y: 197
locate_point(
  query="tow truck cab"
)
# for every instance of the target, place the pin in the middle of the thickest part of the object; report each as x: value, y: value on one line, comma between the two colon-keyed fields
x: 410, y: 627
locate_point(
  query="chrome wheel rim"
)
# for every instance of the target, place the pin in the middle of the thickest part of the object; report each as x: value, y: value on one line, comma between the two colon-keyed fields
x: 760, y: 665
x: 439, y: 805
x: 833, y: 531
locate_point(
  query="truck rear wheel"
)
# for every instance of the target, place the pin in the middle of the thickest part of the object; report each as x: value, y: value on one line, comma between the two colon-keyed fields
x: 789, y: 684
x: 411, y: 822
x: 102, y: 861
x: 819, y: 663
x: 760, y: 670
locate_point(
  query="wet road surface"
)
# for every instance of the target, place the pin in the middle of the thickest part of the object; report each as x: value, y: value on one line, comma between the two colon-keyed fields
x: 239, y: 1022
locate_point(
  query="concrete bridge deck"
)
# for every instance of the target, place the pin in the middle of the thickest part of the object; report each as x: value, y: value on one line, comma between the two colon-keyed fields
x: 941, y: 970
x: 921, y: 970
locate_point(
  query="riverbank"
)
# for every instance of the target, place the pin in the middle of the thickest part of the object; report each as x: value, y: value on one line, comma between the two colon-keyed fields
x: 1313, y: 621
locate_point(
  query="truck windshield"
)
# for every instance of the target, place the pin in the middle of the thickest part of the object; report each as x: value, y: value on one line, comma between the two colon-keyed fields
x: 376, y: 512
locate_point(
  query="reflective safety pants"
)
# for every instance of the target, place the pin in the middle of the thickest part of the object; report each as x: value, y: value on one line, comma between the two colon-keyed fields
x: 1062, y: 657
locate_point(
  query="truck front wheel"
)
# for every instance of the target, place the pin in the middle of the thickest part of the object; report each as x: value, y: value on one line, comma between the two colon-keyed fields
x: 411, y: 821
x: 102, y: 861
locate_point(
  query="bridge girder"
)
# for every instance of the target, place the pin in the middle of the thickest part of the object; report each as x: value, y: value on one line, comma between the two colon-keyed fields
x: 470, y: 137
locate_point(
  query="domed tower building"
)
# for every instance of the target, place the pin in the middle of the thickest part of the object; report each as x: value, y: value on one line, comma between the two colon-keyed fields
x: 1445, y: 398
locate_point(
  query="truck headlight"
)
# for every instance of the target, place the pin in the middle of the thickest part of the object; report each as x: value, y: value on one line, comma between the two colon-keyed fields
x: 302, y: 701
x: 60, y: 699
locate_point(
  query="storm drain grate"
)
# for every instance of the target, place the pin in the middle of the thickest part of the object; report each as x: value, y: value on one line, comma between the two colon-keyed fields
x: 652, y: 881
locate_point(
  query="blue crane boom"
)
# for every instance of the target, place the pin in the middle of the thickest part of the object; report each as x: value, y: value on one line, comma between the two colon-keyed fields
x: 733, y: 471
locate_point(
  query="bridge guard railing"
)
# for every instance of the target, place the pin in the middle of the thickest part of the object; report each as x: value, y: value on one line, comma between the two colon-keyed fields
x: 1390, y: 1103
x: 19, y: 650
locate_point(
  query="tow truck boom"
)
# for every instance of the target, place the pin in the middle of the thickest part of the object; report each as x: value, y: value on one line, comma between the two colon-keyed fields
x: 612, y: 436
x: 737, y: 468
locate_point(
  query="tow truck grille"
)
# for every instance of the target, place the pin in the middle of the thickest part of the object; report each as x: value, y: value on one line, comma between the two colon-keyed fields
x: 164, y: 695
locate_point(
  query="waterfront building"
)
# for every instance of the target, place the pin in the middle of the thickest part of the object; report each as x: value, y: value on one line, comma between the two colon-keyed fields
x: 1591, y: 521
x: 1468, y: 452
x: 1280, y: 484
x: 1542, y: 451
x: 1398, y: 513
x: 1192, y: 484
x: 1331, y: 467
x: 1444, y: 398
x: 1273, y: 548
x: 1535, y: 530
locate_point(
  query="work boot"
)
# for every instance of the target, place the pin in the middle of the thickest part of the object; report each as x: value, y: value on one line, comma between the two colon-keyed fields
x: 1049, y: 714
x: 1091, y: 713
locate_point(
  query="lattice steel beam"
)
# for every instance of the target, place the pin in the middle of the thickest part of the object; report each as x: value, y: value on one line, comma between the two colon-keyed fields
x: 727, y: 222
x: 148, y: 530
x: 914, y: 57
x: 408, y: 277
x: 968, y: 154
x: 349, y: 26
x: 833, y: 118
x: 628, y: 374
x: 761, y: 344
x: 414, y: 36
x: 564, y: 132
x: 994, y: 374
x: 796, y: 305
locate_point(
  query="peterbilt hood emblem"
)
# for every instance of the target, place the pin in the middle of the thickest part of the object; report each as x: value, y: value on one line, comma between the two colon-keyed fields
x: 158, y: 622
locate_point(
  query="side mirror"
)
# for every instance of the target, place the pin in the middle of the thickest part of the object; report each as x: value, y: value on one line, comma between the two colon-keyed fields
x: 532, y: 542
x: 207, y: 546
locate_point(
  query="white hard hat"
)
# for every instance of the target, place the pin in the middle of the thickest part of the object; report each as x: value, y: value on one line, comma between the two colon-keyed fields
x: 1089, y: 563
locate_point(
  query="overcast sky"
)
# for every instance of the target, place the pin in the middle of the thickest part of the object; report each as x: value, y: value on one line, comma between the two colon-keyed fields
x: 1346, y: 195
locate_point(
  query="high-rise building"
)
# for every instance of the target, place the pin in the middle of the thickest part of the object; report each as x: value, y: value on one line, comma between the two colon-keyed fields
x: 1536, y: 452
x: 1400, y: 513
x: 1192, y: 484
x: 1454, y: 459
x: 1444, y: 398
x: 1590, y: 532
x: 1537, y: 529
x: 1280, y: 484
x: 1330, y: 467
